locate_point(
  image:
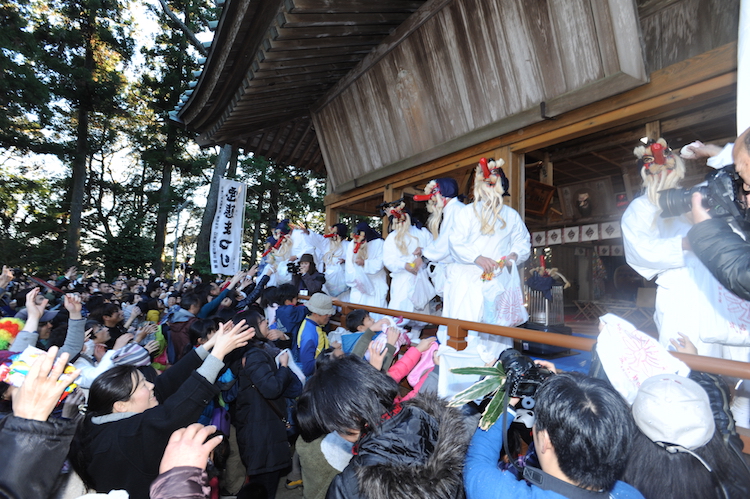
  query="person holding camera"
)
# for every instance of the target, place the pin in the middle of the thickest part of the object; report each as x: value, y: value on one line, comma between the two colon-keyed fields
x: 582, y: 436
x: 654, y: 230
x: 723, y: 251
x: 306, y: 276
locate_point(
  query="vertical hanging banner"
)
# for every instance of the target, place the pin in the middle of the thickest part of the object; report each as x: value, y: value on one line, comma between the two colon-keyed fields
x: 226, y: 231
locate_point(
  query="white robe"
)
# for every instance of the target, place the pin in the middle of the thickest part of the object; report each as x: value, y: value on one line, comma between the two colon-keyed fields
x: 322, y: 246
x: 403, y: 281
x: 375, y: 271
x: 466, y: 244
x: 689, y: 300
x: 438, y: 251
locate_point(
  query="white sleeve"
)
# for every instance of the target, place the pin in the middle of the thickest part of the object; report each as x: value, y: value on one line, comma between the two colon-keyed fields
x: 374, y: 261
x: 645, y: 250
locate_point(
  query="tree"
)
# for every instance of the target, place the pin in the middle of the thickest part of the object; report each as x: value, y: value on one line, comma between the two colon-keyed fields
x: 86, y: 45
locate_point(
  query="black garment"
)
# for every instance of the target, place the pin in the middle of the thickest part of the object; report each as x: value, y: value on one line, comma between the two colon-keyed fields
x: 312, y: 282
x: 125, y: 454
x: 417, y: 452
x: 32, y: 455
x: 261, y: 434
x: 254, y: 294
x: 724, y: 253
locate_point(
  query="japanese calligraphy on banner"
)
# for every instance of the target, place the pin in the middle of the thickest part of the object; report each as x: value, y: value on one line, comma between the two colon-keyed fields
x: 226, y: 231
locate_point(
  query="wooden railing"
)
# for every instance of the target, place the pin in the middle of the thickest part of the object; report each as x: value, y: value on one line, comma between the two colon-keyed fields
x: 458, y: 330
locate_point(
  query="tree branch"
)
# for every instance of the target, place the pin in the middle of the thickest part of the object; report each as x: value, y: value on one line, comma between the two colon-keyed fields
x: 188, y: 33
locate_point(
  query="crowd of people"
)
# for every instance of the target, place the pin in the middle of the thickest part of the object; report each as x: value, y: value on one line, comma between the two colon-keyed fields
x: 196, y: 388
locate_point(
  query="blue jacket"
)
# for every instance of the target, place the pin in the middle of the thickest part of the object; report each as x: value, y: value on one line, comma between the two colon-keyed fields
x: 484, y: 480
x: 310, y: 341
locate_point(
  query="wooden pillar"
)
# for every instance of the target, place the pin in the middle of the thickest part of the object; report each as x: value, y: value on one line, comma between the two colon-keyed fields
x: 457, y: 336
x: 514, y: 170
x: 653, y: 130
x: 332, y: 216
x: 547, y: 170
x: 389, y: 194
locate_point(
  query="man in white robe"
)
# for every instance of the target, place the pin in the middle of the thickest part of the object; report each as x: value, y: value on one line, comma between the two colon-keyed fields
x: 365, y: 254
x: 486, y: 235
x: 443, y: 204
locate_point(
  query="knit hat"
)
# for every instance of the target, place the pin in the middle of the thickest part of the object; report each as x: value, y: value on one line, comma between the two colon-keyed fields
x: 671, y: 409
x: 321, y: 304
x: 307, y: 257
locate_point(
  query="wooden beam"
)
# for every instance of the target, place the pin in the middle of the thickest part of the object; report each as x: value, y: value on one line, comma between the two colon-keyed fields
x: 347, y: 6
x: 279, y: 33
x: 348, y: 19
x: 720, y: 85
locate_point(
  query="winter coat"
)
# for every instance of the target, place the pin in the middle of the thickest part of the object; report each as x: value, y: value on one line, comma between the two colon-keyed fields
x: 32, y: 453
x: 725, y: 254
x: 185, y: 482
x: 125, y: 453
x: 417, y: 451
x: 261, y: 434
x: 312, y: 282
x: 179, y: 331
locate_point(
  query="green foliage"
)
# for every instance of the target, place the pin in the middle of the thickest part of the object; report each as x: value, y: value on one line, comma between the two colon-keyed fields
x: 127, y: 252
x: 493, y: 385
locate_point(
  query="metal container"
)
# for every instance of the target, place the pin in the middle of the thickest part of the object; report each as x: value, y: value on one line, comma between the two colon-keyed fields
x: 541, y: 310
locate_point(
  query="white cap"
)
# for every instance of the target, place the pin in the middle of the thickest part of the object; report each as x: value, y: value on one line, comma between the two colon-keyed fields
x: 675, y: 410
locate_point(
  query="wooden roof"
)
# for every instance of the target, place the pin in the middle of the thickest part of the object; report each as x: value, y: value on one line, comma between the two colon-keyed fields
x: 271, y: 60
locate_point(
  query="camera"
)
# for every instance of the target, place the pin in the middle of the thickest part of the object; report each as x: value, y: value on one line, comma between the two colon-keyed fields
x: 523, y: 377
x: 292, y: 268
x: 722, y: 194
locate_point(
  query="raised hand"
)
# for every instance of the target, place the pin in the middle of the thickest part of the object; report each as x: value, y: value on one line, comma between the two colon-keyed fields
x: 188, y: 447
x: 74, y: 305
x: 228, y: 338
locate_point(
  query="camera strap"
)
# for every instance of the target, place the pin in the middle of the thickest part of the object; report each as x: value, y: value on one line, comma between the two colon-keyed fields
x: 545, y: 481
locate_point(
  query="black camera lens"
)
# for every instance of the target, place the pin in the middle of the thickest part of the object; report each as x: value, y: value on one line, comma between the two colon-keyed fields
x: 515, y: 362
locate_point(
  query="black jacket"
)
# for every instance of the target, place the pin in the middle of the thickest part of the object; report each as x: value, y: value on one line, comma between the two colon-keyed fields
x: 312, y: 282
x: 417, y: 452
x: 125, y: 454
x: 32, y: 455
x: 261, y: 434
x: 724, y: 253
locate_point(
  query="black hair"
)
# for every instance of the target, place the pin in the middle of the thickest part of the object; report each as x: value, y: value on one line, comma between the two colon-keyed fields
x: 252, y: 318
x: 114, y: 385
x: 269, y: 296
x: 287, y: 291
x: 95, y: 303
x: 189, y: 299
x: 344, y: 394
x: 356, y: 318
x: 590, y: 426
x: 107, y: 309
x: 200, y: 329
x: 659, y: 474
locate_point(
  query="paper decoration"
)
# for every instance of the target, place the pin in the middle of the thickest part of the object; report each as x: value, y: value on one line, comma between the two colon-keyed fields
x: 571, y: 234
x: 590, y: 232
x: 554, y: 236
x: 580, y: 251
x: 616, y: 250
x: 610, y: 230
x: 602, y: 250
x: 539, y: 238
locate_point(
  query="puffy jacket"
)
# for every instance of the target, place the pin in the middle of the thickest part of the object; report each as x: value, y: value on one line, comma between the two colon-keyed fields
x: 724, y: 253
x: 32, y: 453
x: 416, y: 452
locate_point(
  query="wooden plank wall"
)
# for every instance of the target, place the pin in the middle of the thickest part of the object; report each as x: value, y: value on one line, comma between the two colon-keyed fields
x: 676, y: 30
x: 472, y: 64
